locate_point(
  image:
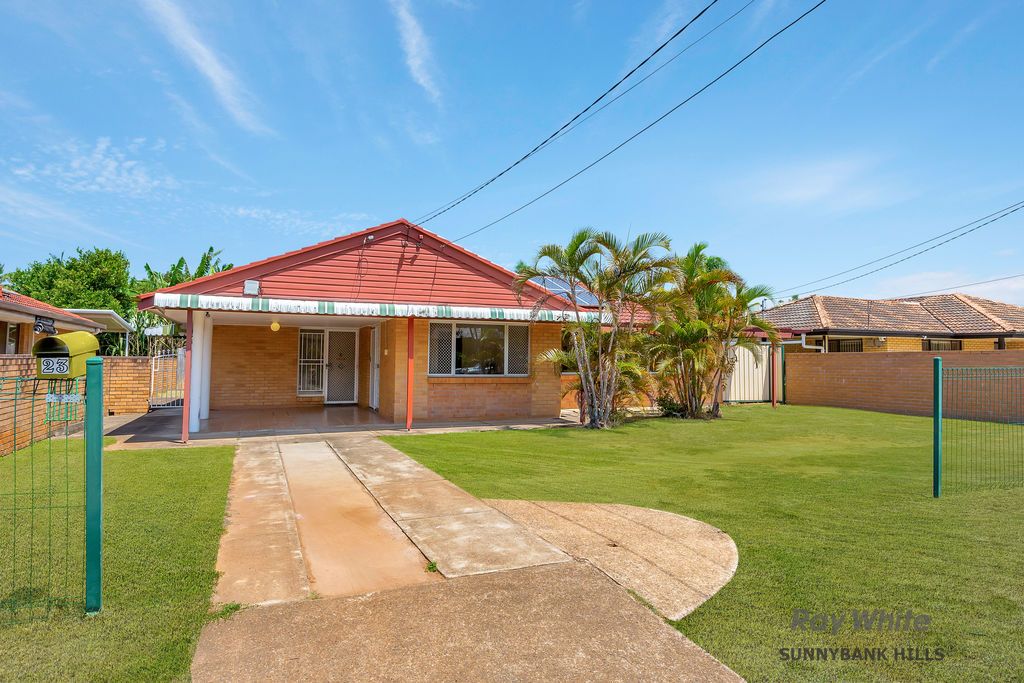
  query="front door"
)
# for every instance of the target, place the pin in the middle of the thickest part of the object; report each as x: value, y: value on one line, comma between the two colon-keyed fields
x: 341, y: 367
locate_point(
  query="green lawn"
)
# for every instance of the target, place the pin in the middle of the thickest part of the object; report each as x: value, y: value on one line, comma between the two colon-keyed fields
x: 163, y: 517
x: 831, y: 511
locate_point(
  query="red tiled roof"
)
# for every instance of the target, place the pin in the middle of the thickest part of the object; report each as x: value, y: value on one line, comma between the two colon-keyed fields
x: 396, y: 262
x: 8, y: 296
x: 948, y: 314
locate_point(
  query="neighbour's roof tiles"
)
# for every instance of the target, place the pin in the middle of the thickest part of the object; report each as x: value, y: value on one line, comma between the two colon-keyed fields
x: 8, y: 296
x: 936, y: 314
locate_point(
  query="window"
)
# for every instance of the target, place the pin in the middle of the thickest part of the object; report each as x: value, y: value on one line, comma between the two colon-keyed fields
x: 311, y: 362
x: 9, y: 338
x: 479, y: 349
x: 942, y: 345
x: 845, y: 345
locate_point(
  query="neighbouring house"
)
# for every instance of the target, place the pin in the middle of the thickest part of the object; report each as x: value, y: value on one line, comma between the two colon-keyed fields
x: 941, y: 322
x: 23, y: 320
x: 393, y: 319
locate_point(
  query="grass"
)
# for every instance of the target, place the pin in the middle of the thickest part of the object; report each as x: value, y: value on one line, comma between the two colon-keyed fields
x: 830, y: 509
x: 163, y: 518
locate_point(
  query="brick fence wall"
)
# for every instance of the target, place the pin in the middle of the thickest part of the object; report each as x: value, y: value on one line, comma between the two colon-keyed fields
x: 887, y: 382
x: 125, y: 390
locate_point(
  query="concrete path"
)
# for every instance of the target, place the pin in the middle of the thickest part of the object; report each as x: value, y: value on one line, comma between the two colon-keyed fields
x: 350, y: 545
x: 563, y: 622
x: 459, y: 532
x: 260, y: 558
x: 674, y: 562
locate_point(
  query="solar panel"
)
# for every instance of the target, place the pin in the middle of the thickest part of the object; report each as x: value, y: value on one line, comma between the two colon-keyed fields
x: 560, y: 287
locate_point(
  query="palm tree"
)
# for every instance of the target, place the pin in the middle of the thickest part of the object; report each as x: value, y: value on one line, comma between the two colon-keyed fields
x: 710, y: 310
x: 618, y: 276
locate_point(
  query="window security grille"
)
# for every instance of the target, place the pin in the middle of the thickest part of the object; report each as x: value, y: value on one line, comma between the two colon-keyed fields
x: 441, y: 356
x: 311, y: 362
x: 518, y: 354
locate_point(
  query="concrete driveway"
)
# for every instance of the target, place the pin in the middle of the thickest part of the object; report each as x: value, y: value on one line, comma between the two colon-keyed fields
x: 329, y: 538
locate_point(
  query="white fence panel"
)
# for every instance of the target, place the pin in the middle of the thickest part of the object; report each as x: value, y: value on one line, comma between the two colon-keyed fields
x: 750, y: 381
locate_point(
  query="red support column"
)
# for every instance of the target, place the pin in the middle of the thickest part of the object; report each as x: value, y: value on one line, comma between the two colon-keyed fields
x: 409, y: 373
x: 186, y: 402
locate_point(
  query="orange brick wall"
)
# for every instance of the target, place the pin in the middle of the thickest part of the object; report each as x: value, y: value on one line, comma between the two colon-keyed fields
x: 255, y: 366
x: 886, y: 382
x: 126, y: 384
x: 474, y: 398
x: 125, y: 390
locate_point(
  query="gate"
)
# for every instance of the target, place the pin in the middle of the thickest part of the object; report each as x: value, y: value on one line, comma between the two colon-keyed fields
x: 50, y: 495
x: 167, y: 379
x: 750, y: 381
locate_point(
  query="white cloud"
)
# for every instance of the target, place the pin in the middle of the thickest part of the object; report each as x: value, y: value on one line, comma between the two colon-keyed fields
x: 27, y: 213
x: 101, y: 167
x: 300, y: 222
x: 182, y: 34
x: 418, y: 56
x: 834, y: 185
x: 881, y: 55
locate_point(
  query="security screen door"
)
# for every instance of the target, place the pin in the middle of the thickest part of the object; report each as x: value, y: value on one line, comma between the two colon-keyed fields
x: 341, y: 366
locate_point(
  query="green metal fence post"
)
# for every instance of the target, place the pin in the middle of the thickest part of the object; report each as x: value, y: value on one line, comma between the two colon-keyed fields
x: 937, y: 426
x: 93, y: 485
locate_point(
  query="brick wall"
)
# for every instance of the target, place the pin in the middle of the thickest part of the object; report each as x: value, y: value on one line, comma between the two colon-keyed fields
x: 495, y: 398
x: 125, y: 390
x: 886, y: 382
x: 255, y: 366
x: 126, y: 384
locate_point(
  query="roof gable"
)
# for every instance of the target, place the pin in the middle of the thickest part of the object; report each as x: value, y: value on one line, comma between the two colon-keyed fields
x: 393, y: 262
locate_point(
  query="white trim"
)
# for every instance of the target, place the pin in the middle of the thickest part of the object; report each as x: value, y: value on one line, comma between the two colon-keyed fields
x: 506, y: 325
x: 351, y: 308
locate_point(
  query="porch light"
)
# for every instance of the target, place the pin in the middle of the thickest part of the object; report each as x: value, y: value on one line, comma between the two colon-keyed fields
x: 275, y: 326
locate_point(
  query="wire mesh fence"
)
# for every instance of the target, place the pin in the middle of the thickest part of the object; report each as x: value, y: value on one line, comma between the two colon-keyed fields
x: 980, y: 436
x: 42, y: 498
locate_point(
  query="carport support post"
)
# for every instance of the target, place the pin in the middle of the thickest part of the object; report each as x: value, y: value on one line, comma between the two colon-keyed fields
x: 937, y: 426
x: 93, y: 485
x: 186, y: 401
x: 411, y: 334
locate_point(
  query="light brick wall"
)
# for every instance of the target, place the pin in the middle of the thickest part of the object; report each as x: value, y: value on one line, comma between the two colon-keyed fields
x: 255, y: 366
x: 890, y: 382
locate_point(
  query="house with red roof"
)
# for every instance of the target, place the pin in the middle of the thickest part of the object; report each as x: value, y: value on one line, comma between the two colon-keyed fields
x: 393, y: 321
x: 23, y: 320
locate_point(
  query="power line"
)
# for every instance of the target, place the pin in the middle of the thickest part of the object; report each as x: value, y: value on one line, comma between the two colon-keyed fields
x: 901, y: 251
x: 427, y: 217
x: 918, y: 253
x: 646, y: 128
x: 969, y: 284
x: 653, y: 71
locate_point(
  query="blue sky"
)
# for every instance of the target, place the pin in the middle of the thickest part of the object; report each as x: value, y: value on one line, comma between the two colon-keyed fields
x: 164, y: 126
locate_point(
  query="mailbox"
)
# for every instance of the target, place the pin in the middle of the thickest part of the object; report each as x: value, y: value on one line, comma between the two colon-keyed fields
x: 63, y: 356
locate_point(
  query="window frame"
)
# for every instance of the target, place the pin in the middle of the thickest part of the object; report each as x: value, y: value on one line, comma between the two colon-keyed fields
x: 955, y: 344
x: 475, y: 323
